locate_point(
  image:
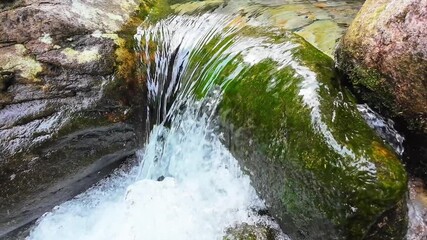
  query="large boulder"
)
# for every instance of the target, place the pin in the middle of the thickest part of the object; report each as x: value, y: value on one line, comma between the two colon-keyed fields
x: 322, y: 171
x: 65, y: 118
x: 384, y: 53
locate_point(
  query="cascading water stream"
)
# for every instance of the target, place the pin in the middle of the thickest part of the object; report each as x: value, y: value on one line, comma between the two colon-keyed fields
x: 187, y: 185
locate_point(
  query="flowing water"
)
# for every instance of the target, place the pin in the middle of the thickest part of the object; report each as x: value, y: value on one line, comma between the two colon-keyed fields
x: 189, y: 187
x: 186, y: 185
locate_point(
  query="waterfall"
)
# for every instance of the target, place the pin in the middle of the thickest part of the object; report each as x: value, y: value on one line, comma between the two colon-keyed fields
x: 186, y: 184
x: 190, y: 187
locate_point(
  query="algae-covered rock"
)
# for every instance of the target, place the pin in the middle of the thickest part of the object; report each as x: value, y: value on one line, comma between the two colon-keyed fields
x: 322, y: 171
x: 311, y: 155
x: 384, y: 53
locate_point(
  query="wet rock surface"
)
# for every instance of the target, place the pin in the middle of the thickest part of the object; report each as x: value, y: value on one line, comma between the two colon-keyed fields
x: 64, y: 125
x: 417, y: 206
x: 62, y: 122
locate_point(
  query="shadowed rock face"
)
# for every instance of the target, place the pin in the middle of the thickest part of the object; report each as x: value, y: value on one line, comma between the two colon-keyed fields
x: 62, y: 122
x: 384, y: 52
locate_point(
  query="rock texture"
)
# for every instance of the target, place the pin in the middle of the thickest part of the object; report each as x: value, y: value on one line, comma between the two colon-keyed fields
x: 62, y: 121
x: 384, y: 52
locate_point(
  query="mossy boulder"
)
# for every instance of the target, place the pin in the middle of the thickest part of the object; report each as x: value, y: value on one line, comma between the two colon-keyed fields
x: 384, y: 54
x: 321, y: 169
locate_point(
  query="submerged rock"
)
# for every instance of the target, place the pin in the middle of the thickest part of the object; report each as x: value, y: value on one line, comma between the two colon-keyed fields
x: 64, y: 115
x: 384, y: 53
x: 321, y: 23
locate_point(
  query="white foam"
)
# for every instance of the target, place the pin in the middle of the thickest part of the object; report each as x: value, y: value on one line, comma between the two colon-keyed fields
x: 203, y: 194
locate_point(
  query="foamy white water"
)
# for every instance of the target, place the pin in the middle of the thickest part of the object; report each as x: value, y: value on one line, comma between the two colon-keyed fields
x: 204, y: 192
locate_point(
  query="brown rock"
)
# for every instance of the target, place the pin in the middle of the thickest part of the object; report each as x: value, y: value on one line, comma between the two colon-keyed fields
x: 63, y: 121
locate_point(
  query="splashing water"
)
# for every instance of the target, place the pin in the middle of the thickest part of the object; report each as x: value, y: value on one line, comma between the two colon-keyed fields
x: 187, y: 185
x: 203, y: 192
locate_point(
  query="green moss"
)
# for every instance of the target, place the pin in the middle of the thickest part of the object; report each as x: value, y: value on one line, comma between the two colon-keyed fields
x: 367, y: 19
x: 368, y: 78
x: 373, y: 88
x: 171, y: 2
x: 281, y: 125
